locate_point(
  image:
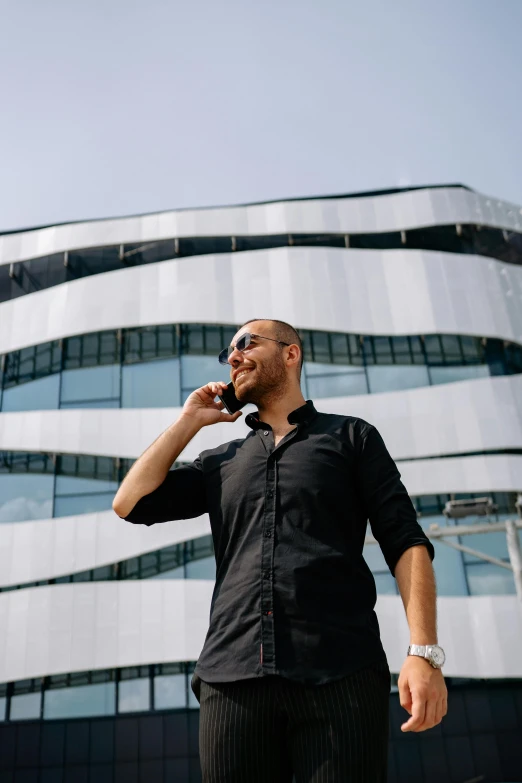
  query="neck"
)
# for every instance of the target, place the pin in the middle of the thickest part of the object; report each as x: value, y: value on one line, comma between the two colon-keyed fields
x: 276, y: 411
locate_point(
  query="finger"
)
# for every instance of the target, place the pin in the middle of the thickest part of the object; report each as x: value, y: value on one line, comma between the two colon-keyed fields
x: 418, y: 712
x: 429, y: 717
x: 231, y: 417
x: 404, y: 696
x: 439, y: 712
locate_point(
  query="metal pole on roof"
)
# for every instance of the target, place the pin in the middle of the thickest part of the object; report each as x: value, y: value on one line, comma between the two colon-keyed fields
x: 514, y: 551
x: 460, y: 509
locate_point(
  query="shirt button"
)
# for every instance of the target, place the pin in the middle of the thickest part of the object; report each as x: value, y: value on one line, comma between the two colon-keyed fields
x: 266, y: 432
x: 270, y: 493
x: 268, y: 534
x: 267, y: 574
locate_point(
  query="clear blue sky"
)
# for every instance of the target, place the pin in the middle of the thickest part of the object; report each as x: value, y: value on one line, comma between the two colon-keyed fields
x: 113, y: 107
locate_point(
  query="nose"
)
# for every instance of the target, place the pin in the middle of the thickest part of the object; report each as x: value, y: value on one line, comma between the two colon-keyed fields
x: 235, y: 358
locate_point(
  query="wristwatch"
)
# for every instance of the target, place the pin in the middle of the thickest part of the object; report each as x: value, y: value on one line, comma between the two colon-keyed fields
x: 432, y: 652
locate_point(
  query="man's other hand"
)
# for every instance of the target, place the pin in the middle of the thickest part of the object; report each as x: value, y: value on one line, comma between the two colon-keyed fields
x: 423, y: 694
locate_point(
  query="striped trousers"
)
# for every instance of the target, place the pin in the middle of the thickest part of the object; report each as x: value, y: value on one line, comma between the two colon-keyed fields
x: 274, y: 730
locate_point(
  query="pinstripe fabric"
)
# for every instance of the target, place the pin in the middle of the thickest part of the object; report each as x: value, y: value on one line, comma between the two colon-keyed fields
x: 270, y: 729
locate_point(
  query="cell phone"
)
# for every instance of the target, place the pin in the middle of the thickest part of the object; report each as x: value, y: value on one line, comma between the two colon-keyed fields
x: 229, y: 399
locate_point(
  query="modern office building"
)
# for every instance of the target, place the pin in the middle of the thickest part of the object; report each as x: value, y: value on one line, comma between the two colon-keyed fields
x: 409, y: 303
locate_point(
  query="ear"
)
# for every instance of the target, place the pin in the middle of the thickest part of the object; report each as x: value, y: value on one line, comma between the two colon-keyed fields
x: 293, y: 354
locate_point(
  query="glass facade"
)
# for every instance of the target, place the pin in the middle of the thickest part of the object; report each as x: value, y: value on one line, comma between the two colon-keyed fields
x: 159, y: 366
x: 26, y: 277
x: 456, y: 573
x: 100, y: 692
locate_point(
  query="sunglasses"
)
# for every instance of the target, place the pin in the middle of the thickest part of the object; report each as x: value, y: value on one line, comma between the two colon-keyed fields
x: 243, y: 342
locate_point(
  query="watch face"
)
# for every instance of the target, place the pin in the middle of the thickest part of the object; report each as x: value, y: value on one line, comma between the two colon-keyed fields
x: 437, y: 655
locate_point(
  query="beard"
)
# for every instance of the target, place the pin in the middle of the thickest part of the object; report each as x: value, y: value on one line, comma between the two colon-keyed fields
x: 269, y: 383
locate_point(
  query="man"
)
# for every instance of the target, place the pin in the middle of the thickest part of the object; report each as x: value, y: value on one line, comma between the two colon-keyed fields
x: 292, y: 679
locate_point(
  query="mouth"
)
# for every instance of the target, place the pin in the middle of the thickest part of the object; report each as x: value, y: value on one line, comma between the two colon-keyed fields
x: 242, y: 373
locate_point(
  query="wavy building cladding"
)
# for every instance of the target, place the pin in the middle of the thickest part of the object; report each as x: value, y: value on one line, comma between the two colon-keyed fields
x: 410, y: 308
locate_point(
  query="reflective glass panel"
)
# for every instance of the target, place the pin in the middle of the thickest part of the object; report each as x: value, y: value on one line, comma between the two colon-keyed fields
x: 25, y: 496
x: 91, y: 404
x: 153, y: 384
x: 80, y: 701
x: 205, y: 568
x: 491, y: 543
x: 374, y: 557
x: 449, y: 570
x: 385, y: 584
x: 173, y: 573
x: 91, y: 383
x: 329, y: 380
x: 452, y: 374
x: 392, y: 377
x: 193, y: 703
x: 82, y: 504
x: 134, y: 695
x: 70, y: 485
x: 41, y: 394
x: 170, y: 691
x: 448, y: 565
x: 489, y: 579
x: 25, y: 706
x: 3, y: 704
x: 196, y: 371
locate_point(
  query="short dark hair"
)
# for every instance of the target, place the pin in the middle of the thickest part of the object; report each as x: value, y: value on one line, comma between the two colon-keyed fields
x: 284, y: 332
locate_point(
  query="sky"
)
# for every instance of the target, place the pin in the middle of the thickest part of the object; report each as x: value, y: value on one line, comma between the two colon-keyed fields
x: 115, y: 107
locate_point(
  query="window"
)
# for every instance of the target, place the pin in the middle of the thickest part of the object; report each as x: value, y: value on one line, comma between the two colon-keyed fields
x: 25, y: 496
x: 41, y: 394
x: 134, y: 695
x: 329, y: 380
x: 489, y: 579
x: 395, y: 377
x: 80, y: 701
x: 75, y: 495
x: 25, y: 706
x: 153, y: 384
x: 172, y: 573
x: 91, y: 384
x: 91, y: 350
x: 204, y: 568
x: 146, y: 343
x: 196, y: 371
x: 170, y: 691
x: 452, y: 374
x: 385, y: 584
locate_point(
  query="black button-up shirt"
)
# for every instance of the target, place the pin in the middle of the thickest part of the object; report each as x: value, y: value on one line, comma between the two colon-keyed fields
x: 293, y: 594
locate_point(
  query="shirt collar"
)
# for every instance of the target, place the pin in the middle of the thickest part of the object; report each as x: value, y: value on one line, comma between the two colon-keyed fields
x: 301, y: 415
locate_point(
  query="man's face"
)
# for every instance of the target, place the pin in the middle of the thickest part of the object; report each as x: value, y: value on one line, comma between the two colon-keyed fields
x: 259, y: 371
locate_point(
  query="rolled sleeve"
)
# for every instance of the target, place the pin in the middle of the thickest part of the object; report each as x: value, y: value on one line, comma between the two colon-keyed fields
x: 391, y: 513
x: 180, y: 496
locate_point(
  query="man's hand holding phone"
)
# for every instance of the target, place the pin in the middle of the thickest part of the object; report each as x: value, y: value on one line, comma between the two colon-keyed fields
x: 203, y: 408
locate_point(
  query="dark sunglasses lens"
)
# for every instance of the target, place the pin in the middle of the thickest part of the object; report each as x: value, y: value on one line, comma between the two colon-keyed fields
x: 243, y: 342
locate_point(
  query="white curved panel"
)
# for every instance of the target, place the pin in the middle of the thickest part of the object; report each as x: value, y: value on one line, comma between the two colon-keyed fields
x: 98, y: 625
x: 45, y: 549
x: 390, y: 292
x: 465, y: 417
x: 481, y: 635
x: 462, y: 475
x: 76, y: 627
x: 48, y: 548
x: 392, y: 212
